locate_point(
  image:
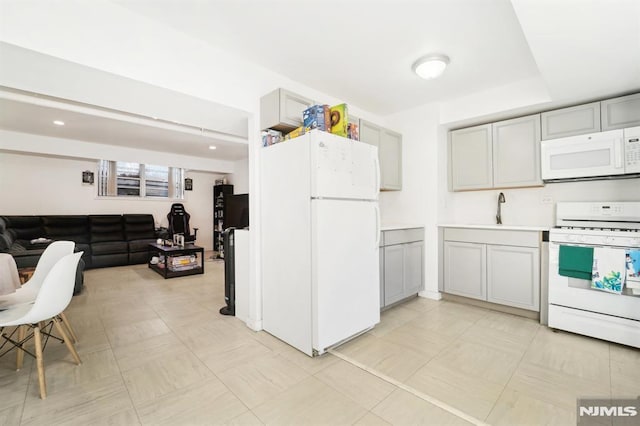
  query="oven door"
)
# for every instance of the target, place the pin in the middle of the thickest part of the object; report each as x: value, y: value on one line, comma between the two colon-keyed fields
x: 578, y: 294
x: 583, y: 156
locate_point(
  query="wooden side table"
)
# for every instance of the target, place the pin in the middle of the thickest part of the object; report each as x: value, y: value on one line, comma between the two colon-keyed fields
x: 25, y: 274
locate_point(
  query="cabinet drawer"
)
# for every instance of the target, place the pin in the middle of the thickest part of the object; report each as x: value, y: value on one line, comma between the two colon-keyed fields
x: 491, y: 236
x: 401, y: 236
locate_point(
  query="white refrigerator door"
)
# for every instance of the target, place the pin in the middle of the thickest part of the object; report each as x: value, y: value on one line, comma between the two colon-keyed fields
x: 342, y: 168
x: 345, y: 270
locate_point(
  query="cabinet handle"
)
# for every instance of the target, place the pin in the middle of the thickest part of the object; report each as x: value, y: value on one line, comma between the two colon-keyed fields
x: 618, y: 148
x: 376, y: 164
x: 378, y: 229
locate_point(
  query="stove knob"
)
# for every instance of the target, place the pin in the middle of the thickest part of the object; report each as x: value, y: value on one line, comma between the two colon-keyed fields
x: 571, y: 237
x: 582, y: 238
x: 608, y: 240
x: 636, y: 242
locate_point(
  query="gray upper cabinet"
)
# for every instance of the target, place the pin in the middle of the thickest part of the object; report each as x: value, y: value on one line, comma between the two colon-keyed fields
x: 389, y: 145
x: 282, y: 110
x: 516, y: 152
x: 471, y: 158
x: 577, y: 120
x: 621, y: 112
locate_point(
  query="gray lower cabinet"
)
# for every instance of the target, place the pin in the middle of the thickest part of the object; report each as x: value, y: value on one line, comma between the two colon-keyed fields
x: 513, y: 276
x: 498, y: 266
x: 393, y: 274
x: 621, y: 112
x: 465, y: 269
x: 401, y: 264
x: 576, y: 120
x: 389, y: 145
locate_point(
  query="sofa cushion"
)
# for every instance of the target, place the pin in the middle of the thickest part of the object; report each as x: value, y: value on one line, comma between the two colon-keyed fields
x: 139, y: 226
x: 106, y: 228
x: 70, y: 228
x: 140, y: 245
x: 25, y: 228
x: 109, y: 247
x: 6, y: 237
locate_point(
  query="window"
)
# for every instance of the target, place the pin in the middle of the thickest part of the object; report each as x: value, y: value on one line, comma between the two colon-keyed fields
x: 126, y: 179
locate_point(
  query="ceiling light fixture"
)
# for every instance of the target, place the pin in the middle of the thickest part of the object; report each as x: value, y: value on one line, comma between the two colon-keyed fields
x: 212, y: 147
x: 431, y: 66
x: 58, y: 123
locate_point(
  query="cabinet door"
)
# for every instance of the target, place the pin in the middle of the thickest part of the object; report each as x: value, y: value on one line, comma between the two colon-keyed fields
x: 390, y: 154
x: 516, y: 152
x: 465, y: 269
x: 370, y: 133
x: 413, y: 270
x: 471, y: 158
x: 282, y: 110
x: 393, y: 274
x: 577, y: 120
x: 621, y: 112
x: 513, y: 276
x: 292, y: 106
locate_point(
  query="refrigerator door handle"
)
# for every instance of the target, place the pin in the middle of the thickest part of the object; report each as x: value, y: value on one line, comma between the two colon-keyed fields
x: 376, y: 164
x: 378, y: 228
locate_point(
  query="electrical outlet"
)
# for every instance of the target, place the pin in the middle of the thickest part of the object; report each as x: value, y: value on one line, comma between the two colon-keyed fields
x: 547, y: 199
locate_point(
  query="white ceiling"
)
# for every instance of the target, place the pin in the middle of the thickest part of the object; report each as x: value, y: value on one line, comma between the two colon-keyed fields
x: 361, y: 51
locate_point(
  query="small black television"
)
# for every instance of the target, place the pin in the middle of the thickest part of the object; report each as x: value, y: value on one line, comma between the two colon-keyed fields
x: 236, y: 211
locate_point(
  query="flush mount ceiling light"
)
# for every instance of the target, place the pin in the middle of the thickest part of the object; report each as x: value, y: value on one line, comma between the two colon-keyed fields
x: 430, y: 66
x: 58, y: 123
x: 212, y: 147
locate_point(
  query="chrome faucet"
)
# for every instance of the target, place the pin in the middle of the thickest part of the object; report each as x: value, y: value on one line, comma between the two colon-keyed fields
x: 499, y: 215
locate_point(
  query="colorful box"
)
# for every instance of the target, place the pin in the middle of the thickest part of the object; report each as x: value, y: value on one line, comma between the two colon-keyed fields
x: 317, y: 117
x: 298, y: 131
x: 339, y: 120
x: 353, y: 131
x: 271, y: 137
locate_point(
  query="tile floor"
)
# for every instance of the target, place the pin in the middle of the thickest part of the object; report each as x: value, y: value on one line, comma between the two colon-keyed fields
x: 156, y: 351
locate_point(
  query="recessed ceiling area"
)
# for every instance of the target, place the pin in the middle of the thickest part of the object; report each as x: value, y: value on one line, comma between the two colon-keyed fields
x: 117, y: 129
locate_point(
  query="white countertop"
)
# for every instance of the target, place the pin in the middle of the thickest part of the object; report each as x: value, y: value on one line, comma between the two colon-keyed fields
x: 394, y: 226
x: 494, y: 226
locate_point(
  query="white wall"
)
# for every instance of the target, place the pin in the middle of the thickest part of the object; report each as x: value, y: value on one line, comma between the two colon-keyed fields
x: 240, y: 177
x: 38, y: 185
x: 417, y: 203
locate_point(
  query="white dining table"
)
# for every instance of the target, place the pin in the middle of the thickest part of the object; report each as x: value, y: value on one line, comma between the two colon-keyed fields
x: 9, y: 279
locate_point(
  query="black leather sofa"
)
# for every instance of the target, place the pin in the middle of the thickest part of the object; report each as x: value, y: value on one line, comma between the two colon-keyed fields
x: 106, y: 240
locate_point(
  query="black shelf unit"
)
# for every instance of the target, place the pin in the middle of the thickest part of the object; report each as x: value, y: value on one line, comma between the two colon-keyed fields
x: 219, y: 191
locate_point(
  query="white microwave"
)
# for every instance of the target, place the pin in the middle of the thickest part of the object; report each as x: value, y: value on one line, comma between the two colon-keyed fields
x: 611, y: 154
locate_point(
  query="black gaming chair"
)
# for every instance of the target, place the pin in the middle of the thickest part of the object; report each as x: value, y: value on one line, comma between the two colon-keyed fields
x: 179, y: 223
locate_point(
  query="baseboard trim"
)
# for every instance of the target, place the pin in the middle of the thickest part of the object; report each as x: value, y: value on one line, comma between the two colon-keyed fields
x: 254, y: 325
x: 433, y: 295
x: 493, y: 306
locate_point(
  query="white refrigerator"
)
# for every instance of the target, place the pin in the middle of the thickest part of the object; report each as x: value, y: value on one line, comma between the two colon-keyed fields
x: 320, y: 231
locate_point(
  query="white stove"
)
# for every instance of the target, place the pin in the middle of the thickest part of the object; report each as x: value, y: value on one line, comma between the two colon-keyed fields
x: 574, y: 304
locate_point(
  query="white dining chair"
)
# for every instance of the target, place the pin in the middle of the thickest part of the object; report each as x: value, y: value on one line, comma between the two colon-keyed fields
x: 27, y: 294
x: 53, y: 297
